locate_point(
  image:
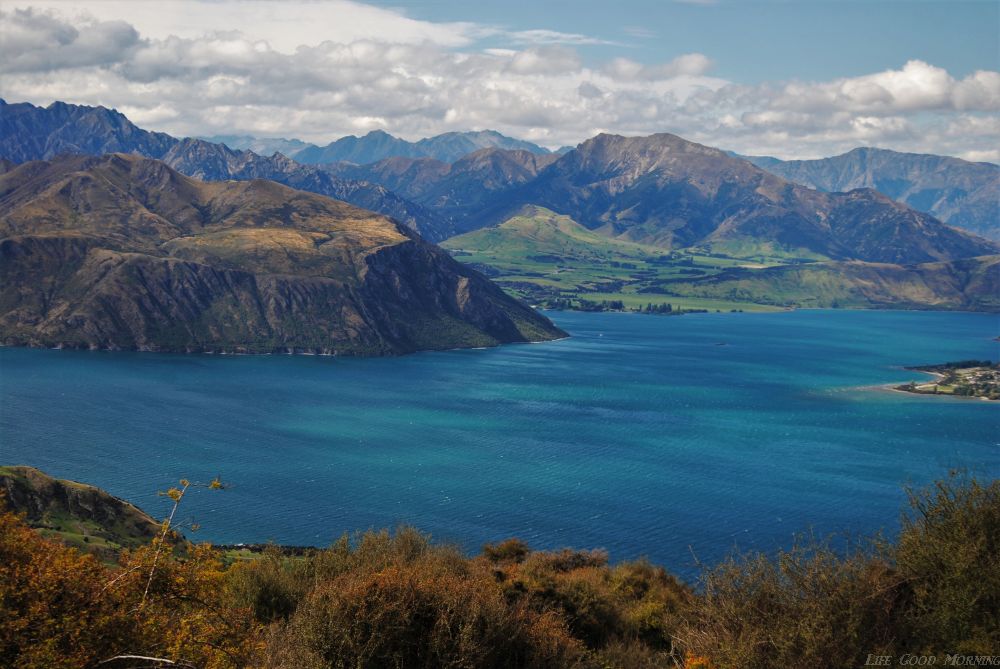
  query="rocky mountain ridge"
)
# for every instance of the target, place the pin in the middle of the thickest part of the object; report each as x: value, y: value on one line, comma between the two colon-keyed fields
x: 29, y: 133
x: 378, y: 145
x: 958, y: 192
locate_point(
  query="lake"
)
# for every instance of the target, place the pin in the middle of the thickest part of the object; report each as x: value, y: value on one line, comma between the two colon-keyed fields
x: 670, y: 437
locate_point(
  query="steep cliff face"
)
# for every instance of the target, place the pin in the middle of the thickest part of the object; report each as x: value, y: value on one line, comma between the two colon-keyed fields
x: 123, y: 252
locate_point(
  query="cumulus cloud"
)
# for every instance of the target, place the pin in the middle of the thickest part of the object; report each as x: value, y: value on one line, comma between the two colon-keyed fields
x: 544, y: 60
x: 416, y: 78
x: 35, y: 41
x: 917, y: 86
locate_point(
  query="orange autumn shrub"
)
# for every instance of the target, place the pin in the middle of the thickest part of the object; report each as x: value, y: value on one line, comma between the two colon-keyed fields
x: 55, y: 609
x: 188, y: 614
x: 61, y: 609
x: 625, y: 605
x: 399, y: 602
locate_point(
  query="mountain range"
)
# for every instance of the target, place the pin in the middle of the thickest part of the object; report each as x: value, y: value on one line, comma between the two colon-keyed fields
x: 458, y: 191
x: 660, y: 189
x: 217, y: 162
x: 661, y: 192
x: 28, y: 133
x: 958, y: 192
x: 666, y: 191
x: 378, y: 145
x: 123, y: 252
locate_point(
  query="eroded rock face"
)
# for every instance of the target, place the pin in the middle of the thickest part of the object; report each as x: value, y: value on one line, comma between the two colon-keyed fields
x: 123, y: 252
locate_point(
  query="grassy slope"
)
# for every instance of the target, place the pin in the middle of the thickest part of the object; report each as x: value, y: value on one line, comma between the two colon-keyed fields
x: 968, y: 284
x: 540, y: 255
x: 543, y: 256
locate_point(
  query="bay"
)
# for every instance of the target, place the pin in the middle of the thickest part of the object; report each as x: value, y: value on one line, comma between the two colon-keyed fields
x: 677, y: 438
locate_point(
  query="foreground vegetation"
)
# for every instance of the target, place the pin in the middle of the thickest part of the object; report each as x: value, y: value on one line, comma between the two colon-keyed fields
x: 397, y: 600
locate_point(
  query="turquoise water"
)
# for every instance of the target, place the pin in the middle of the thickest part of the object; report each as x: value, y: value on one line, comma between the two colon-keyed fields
x: 670, y: 437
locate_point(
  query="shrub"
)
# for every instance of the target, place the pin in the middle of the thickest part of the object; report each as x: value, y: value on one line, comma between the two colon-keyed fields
x: 269, y: 586
x: 949, y: 554
x: 54, y: 607
x: 937, y: 591
x: 397, y: 600
x: 808, y: 607
x: 420, y: 608
x: 511, y: 550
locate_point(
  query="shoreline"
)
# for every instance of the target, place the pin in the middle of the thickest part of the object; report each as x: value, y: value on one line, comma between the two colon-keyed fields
x: 289, y: 352
x: 898, y: 389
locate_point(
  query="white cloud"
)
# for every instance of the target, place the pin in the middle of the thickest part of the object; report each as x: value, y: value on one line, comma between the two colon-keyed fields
x: 36, y: 41
x: 545, y: 37
x: 544, y: 60
x: 981, y: 155
x: 694, y: 64
x: 283, y: 25
x: 312, y: 73
x: 916, y: 86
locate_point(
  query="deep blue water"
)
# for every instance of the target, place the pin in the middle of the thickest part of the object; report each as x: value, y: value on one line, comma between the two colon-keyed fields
x: 663, y: 436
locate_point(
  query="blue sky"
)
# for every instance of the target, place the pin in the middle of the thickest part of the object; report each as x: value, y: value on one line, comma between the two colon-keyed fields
x: 753, y: 41
x: 790, y: 79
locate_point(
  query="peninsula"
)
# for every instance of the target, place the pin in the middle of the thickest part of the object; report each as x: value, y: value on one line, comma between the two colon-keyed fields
x: 968, y: 378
